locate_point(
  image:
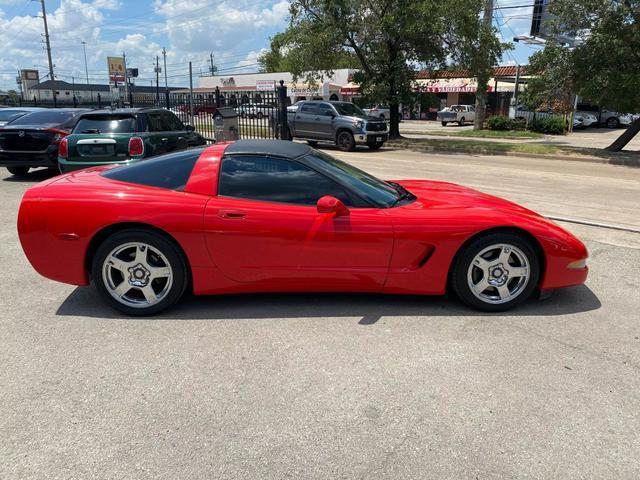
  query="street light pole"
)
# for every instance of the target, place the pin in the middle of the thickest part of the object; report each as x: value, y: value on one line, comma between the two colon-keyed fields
x: 86, y: 68
x: 46, y: 37
x: 164, y: 54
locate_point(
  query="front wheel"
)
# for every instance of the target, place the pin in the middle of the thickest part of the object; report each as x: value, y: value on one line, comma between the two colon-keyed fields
x: 613, y: 122
x: 461, y: 122
x: 444, y: 124
x: 345, y: 141
x: 18, y: 171
x: 139, y: 272
x: 496, y: 272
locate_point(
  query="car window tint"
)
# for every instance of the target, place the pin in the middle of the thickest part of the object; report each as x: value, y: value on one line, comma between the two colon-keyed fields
x: 106, y: 124
x: 46, y: 117
x: 172, y: 122
x: 275, y: 180
x: 7, y: 115
x: 325, y: 109
x: 156, y: 122
x: 308, y: 108
x: 171, y: 171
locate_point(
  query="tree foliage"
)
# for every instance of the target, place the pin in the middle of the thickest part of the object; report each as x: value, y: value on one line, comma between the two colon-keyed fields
x: 604, y: 65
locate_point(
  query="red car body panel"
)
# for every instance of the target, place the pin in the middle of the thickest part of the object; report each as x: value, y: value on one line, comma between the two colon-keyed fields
x: 237, y: 245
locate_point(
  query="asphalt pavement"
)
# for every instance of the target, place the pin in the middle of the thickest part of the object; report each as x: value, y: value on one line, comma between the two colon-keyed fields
x: 320, y: 386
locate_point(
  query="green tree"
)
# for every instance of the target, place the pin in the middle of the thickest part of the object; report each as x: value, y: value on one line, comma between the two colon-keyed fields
x: 475, y: 46
x: 604, y: 64
x: 389, y: 39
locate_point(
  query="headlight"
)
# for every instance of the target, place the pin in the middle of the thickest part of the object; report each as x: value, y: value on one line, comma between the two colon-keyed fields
x: 578, y: 264
x: 359, y: 124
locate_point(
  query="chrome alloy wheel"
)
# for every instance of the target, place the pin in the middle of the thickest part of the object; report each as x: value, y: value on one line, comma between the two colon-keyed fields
x: 498, y: 273
x: 137, y: 274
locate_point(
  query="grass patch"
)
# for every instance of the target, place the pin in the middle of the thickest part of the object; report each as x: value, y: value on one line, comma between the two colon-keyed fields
x: 471, y: 146
x: 507, y: 134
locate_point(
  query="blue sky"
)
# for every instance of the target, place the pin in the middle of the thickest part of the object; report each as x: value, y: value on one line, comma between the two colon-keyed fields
x: 235, y: 31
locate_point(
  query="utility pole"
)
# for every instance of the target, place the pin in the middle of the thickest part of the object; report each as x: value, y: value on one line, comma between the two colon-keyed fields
x: 484, y: 71
x: 126, y: 80
x: 213, y: 67
x: 164, y: 54
x: 46, y: 37
x: 86, y: 69
x: 157, y: 78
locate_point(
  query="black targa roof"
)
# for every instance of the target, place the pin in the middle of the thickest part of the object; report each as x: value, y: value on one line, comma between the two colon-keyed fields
x: 278, y: 148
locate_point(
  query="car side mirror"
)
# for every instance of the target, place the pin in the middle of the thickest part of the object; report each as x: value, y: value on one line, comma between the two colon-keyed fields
x: 190, y: 128
x: 329, y: 204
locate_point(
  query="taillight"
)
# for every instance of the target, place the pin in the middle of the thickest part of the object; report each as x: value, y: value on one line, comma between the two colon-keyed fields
x: 63, y: 148
x: 58, y: 134
x: 136, y: 146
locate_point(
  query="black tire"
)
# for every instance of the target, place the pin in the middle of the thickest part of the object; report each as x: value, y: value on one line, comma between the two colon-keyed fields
x: 312, y: 143
x: 175, y: 258
x: 444, y: 124
x: 461, y: 122
x: 18, y: 171
x: 375, y: 146
x: 613, y: 122
x: 345, y: 141
x: 382, y: 117
x: 462, y: 263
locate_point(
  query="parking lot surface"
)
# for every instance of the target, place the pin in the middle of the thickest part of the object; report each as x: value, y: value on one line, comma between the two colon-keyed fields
x: 338, y: 386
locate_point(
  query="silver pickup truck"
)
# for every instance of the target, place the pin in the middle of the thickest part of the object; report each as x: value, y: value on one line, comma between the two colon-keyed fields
x: 340, y: 123
x: 459, y: 114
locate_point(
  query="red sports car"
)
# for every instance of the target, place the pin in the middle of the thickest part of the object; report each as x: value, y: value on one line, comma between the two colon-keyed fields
x: 267, y: 216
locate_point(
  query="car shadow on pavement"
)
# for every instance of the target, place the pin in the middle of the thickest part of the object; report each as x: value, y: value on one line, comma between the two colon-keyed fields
x: 367, y: 308
x: 35, y: 176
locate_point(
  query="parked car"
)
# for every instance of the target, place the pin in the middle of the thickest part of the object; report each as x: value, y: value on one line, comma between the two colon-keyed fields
x: 588, y: 118
x: 256, y: 110
x: 270, y: 215
x: 32, y: 140
x: 341, y: 123
x: 614, y: 119
x: 381, y: 111
x: 459, y: 114
x: 11, y: 113
x: 124, y: 136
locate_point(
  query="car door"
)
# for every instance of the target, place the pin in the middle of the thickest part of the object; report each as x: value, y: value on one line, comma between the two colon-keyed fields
x: 179, y: 137
x: 304, y: 122
x: 264, y: 227
x: 324, y: 121
x: 156, y: 126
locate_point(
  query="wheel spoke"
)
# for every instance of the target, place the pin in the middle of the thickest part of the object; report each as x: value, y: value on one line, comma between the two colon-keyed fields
x: 505, y: 253
x: 141, y: 254
x: 121, y: 289
x: 118, y: 264
x: 160, y: 272
x: 481, y: 286
x: 503, y: 291
x: 149, y: 295
x: 482, y: 264
x: 518, y: 272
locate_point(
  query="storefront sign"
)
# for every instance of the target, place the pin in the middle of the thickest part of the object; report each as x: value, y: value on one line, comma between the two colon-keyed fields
x: 265, y: 85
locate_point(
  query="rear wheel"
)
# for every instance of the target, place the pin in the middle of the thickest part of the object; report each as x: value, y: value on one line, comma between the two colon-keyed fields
x: 496, y: 272
x: 461, y: 122
x: 139, y: 272
x: 18, y: 171
x: 345, y: 141
x: 444, y: 124
x: 613, y: 122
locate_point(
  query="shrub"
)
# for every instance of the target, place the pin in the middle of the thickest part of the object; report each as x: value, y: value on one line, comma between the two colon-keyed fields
x: 499, y: 123
x: 549, y: 125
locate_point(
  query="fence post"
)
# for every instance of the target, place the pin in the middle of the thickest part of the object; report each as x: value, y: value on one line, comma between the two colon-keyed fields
x: 166, y: 99
x: 99, y: 101
x: 35, y: 101
x: 75, y: 102
x: 282, y: 108
x: 190, y: 93
x: 217, y: 97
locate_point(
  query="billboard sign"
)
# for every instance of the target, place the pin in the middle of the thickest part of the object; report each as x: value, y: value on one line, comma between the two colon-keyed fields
x: 541, y: 26
x: 116, y: 69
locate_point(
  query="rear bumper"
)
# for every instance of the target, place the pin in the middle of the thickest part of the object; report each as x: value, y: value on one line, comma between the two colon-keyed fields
x: 370, y: 137
x: 29, y: 159
x: 67, y: 166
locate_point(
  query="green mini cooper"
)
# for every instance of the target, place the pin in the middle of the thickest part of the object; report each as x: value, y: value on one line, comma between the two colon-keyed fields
x: 104, y: 137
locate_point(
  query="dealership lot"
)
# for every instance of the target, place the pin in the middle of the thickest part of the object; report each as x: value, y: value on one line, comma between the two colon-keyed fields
x: 338, y: 386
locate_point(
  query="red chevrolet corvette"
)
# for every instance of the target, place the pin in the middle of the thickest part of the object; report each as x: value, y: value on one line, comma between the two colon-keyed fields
x: 267, y: 216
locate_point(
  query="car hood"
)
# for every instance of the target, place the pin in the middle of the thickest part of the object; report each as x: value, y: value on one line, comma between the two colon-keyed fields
x: 434, y: 195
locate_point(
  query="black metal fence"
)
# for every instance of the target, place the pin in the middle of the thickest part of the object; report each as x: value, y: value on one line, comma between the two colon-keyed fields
x: 260, y: 114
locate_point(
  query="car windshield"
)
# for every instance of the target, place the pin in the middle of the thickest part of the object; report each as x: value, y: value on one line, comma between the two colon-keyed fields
x: 345, y: 108
x: 43, y: 118
x: 8, y: 114
x: 106, y: 124
x: 369, y: 187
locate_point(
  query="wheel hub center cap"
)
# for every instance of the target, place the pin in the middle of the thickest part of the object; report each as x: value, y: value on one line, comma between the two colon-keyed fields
x: 498, y: 275
x: 138, y: 275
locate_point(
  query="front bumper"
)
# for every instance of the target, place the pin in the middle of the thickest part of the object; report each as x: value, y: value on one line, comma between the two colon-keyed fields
x: 371, y: 137
x: 29, y: 159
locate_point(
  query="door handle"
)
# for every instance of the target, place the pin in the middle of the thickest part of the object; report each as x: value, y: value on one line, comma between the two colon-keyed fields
x: 232, y: 214
x: 164, y: 139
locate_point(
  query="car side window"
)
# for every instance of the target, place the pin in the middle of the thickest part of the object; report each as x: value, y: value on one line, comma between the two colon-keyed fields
x: 156, y: 122
x: 325, y: 110
x: 309, y: 109
x: 269, y: 179
x: 172, y: 122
